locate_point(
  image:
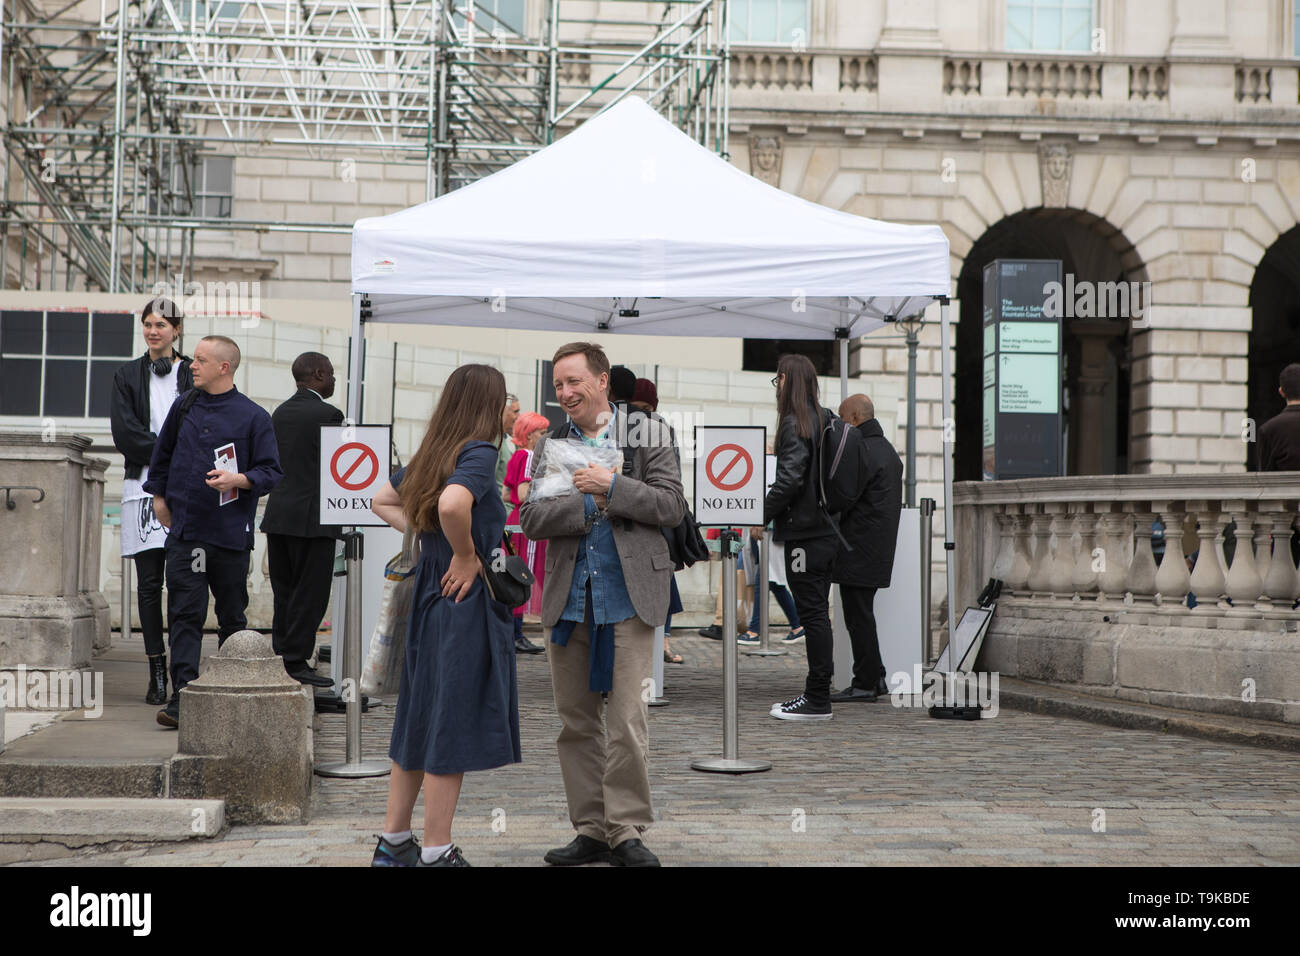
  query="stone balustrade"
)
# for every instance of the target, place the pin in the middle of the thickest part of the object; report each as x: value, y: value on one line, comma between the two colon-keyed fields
x: 1086, y: 542
x: 1105, y: 87
x: 776, y: 69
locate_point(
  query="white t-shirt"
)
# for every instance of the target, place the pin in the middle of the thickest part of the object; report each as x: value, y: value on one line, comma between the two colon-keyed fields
x: 162, y: 393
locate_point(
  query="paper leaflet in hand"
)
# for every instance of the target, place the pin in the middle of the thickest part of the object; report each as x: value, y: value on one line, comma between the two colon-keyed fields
x: 559, y: 459
x: 224, y: 460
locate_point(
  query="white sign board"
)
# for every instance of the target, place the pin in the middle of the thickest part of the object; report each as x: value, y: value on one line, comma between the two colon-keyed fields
x: 897, y: 611
x: 354, y: 464
x: 730, y: 473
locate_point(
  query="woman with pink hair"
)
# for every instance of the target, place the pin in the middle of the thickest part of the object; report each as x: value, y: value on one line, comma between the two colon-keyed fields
x: 529, y: 427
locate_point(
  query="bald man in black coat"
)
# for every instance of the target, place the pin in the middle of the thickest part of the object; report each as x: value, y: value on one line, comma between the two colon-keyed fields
x: 871, y: 528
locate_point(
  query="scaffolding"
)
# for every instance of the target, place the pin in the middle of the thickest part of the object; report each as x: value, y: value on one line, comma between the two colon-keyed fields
x: 111, y: 106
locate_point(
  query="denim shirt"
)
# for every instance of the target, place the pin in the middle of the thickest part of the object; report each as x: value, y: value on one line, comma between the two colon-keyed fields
x: 597, y: 562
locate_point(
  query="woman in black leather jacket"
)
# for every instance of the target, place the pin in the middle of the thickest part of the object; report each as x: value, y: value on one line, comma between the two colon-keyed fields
x: 143, y: 392
x: 805, y: 530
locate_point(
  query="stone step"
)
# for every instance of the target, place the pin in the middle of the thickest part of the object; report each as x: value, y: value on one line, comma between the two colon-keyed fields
x: 1061, y: 701
x: 82, y: 777
x: 79, y: 822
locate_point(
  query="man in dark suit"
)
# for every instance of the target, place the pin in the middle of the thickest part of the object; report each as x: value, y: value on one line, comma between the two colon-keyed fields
x: 1279, y: 437
x: 299, y: 550
x: 871, y: 528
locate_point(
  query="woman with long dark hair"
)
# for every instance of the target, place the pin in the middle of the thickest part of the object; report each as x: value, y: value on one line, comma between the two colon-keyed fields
x: 143, y: 392
x: 458, y: 709
x: 803, y: 528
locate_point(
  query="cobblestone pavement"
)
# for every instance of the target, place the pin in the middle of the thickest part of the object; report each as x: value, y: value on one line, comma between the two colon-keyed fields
x: 877, y: 784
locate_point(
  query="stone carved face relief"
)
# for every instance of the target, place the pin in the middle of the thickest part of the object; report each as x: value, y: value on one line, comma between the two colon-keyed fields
x: 765, y: 158
x: 1058, y: 159
x: 1054, y: 164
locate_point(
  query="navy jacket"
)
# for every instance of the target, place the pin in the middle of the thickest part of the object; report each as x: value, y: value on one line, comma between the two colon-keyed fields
x: 180, y: 464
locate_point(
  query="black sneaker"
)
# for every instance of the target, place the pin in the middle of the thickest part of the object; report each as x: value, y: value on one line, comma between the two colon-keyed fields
x: 794, y: 637
x: 406, y: 853
x: 748, y: 639
x: 800, y: 709
x: 712, y: 632
x: 451, y: 857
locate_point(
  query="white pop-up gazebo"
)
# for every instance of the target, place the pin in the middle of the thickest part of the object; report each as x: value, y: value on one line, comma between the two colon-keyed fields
x: 627, y: 225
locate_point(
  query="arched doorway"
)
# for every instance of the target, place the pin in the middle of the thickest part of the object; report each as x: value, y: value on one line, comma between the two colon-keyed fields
x: 1274, y: 329
x: 1096, y: 351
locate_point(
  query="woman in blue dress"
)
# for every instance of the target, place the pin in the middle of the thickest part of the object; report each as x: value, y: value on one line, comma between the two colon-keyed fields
x: 459, y: 708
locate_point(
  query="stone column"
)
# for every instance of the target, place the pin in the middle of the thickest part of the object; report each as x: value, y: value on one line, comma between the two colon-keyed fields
x: 1061, y: 570
x: 1208, y: 580
x: 1243, y: 583
x: 1141, y: 584
x: 1040, y: 570
x: 1006, y: 553
x: 1017, y: 580
x: 1089, y: 387
x: 245, y: 735
x: 910, y: 79
x: 1085, y: 578
x: 1200, y: 31
x: 1280, y: 583
x: 1112, y: 535
x: 51, y: 611
x: 1173, y: 580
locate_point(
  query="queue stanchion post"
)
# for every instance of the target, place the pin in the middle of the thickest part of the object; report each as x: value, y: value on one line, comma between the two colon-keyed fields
x: 126, y: 598
x: 762, y: 594
x: 927, y: 518
x: 353, y: 764
x: 730, y: 761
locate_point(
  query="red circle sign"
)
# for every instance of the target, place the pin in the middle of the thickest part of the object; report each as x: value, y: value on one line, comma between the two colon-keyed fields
x: 728, y: 465
x: 367, y: 454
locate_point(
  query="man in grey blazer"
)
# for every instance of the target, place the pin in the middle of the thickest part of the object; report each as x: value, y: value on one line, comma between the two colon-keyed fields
x: 606, y: 589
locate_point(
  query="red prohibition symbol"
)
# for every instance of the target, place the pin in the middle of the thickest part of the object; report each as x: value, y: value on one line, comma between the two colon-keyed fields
x: 728, y: 465
x: 367, y: 454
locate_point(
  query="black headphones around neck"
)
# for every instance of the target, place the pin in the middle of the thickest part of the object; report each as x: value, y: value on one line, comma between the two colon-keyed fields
x: 162, y: 366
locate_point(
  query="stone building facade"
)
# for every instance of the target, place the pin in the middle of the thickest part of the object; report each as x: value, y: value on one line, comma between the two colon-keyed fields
x: 1162, y: 148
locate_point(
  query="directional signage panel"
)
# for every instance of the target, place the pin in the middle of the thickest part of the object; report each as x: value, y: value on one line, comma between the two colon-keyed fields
x: 1022, y: 370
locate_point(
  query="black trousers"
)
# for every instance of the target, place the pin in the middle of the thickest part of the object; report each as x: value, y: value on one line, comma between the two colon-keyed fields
x: 194, y: 569
x: 149, y: 567
x: 808, y: 564
x: 302, y: 570
x: 860, y: 620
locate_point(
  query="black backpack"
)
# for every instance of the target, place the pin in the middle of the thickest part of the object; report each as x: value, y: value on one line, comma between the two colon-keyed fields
x: 842, y: 458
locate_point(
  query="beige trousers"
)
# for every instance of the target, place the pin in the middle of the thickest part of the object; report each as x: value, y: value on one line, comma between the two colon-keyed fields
x: 605, y: 765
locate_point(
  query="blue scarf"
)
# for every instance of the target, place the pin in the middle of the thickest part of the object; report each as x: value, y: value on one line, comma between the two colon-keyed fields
x: 600, y: 677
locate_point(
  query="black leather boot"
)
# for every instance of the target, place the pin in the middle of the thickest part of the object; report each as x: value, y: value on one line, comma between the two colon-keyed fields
x: 157, y: 680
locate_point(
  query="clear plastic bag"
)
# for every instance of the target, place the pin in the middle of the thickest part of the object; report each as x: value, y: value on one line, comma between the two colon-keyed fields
x: 558, y: 461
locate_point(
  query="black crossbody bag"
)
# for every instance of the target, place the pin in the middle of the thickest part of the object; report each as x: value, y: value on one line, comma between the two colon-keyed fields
x: 506, y: 575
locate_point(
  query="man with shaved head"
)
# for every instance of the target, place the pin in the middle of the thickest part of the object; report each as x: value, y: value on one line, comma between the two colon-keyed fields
x: 871, y: 529
x: 215, y: 456
x: 299, y: 550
